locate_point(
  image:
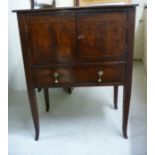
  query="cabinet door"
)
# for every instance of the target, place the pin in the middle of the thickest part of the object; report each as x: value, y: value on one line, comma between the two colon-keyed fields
x: 102, y: 36
x: 51, y: 37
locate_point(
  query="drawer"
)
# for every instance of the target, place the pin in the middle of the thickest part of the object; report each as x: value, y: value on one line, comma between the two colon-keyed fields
x: 100, y: 75
x: 76, y: 76
x: 52, y: 77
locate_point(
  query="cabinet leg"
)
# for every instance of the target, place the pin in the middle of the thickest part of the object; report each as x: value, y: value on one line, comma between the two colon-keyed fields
x: 70, y: 89
x: 46, y: 96
x: 34, y: 111
x: 39, y: 89
x: 126, y: 106
x: 116, y: 96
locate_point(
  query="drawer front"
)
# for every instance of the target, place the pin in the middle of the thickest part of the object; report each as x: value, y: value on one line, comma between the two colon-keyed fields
x: 100, y: 75
x: 76, y: 76
x: 52, y: 77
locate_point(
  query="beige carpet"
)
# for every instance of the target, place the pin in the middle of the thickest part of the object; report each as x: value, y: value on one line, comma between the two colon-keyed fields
x: 83, y: 123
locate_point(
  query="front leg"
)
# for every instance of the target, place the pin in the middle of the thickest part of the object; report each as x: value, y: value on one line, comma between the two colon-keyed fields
x: 126, y: 106
x: 34, y: 110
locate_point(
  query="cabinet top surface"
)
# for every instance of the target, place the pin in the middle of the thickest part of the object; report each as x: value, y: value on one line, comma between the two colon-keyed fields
x: 106, y: 6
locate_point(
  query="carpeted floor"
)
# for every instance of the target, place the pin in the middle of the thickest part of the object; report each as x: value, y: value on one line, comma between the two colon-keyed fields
x: 83, y: 123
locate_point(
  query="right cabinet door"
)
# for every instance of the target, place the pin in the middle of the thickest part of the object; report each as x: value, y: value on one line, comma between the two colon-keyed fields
x: 101, y: 36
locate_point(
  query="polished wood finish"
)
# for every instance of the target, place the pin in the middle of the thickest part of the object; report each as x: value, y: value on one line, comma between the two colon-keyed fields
x: 69, y: 90
x: 77, y: 75
x: 43, y: 30
x: 78, y: 46
x: 46, y: 95
x: 116, y: 96
x: 128, y: 76
x: 39, y: 89
x: 99, y: 41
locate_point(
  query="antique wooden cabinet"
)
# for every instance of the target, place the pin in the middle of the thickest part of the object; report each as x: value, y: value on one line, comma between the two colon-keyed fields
x: 78, y: 46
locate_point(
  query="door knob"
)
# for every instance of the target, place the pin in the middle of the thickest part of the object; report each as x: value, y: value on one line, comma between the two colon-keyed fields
x: 81, y: 37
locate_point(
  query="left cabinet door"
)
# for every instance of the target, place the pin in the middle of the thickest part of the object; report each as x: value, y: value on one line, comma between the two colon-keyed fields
x: 51, y: 37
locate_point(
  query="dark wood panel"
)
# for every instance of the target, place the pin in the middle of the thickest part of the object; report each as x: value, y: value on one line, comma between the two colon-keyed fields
x: 47, y: 77
x: 102, y: 36
x: 51, y: 38
x: 78, y: 76
x: 110, y: 74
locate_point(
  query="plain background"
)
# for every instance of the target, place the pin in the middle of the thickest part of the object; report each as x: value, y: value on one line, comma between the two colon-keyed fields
x: 4, y: 77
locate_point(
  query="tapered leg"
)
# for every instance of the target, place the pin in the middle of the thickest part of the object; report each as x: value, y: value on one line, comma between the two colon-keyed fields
x: 34, y: 111
x: 70, y: 89
x: 39, y: 89
x: 46, y: 96
x: 126, y: 106
x: 116, y: 96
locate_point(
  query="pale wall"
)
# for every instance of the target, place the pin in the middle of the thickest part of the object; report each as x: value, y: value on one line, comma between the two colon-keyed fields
x: 144, y: 56
x: 139, y: 30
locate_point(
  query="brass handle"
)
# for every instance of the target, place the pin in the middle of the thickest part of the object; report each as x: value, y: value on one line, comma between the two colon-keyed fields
x: 80, y: 37
x: 56, y: 76
x: 100, y: 74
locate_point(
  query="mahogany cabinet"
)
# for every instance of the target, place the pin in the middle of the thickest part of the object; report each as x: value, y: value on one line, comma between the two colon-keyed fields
x: 78, y: 46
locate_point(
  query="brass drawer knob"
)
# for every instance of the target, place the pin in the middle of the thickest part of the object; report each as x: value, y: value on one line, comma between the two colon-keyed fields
x: 56, y: 77
x: 100, y: 74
